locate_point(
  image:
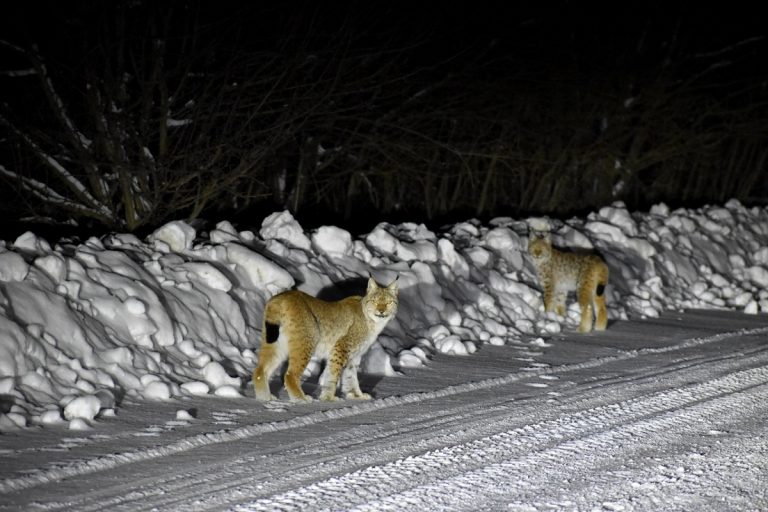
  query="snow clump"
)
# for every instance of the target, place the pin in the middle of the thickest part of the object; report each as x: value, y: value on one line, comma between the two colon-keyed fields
x: 180, y: 313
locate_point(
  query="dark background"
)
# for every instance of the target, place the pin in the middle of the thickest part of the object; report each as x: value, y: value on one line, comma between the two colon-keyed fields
x: 356, y: 112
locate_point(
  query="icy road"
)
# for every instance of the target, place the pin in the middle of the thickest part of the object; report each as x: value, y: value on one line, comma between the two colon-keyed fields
x: 661, y: 414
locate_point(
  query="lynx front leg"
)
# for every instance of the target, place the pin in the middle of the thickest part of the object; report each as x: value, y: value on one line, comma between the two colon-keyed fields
x: 336, y: 363
x: 350, y: 386
x: 559, y: 302
x: 549, y: 302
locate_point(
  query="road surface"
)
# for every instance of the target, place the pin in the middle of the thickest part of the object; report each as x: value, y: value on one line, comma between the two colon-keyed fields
x: 659, y: 414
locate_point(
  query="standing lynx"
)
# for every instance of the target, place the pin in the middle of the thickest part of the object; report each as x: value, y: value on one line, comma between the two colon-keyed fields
x: 297, y: 325
x: 563, y: 272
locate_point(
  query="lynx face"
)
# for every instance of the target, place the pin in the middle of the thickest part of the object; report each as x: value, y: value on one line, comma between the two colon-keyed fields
x: 540, y: 250
x: 380, y: 303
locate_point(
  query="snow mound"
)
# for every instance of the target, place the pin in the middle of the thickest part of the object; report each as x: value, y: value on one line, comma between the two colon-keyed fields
x: 175, y: 236
x: 180, y: 313
x: 12, y: 267
x: 83, y: 407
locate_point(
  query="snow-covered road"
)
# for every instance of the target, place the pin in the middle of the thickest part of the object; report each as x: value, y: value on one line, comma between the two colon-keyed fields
x: 662, y: 414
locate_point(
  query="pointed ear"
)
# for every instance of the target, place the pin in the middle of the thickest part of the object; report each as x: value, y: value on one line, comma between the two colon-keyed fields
x: 372, y: 285
x: 393, y: 286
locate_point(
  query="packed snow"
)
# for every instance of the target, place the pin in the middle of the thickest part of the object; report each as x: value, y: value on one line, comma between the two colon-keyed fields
x: 86, y: 324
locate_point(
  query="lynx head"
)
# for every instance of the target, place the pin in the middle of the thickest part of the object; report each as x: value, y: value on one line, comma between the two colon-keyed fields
x: 380, y: 302
x: 540, y: 248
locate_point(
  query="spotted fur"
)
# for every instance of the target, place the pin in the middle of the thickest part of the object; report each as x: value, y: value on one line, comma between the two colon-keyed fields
x: 562, y: 272
x: 298, y: 326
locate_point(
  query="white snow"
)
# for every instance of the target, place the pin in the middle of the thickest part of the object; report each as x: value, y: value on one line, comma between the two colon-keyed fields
x: 162, y: 318
x: 12, y: 267
x: 176, y: 236
x: 86, y: 326
x: 83, y: 407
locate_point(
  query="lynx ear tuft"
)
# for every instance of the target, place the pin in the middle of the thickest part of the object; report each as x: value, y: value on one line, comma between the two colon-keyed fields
x: 393, y: 286
x: 372, y: 284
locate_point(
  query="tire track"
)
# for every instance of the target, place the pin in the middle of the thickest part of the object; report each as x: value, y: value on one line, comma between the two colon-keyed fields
x: 414, y: 435
x: 373, y: 444
x: 696, y: 474
x: 513, y: 456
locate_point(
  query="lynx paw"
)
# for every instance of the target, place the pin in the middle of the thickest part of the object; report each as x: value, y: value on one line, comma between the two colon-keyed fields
x: 261, y: 397
x: 358, y: 396
x: 328, y: 397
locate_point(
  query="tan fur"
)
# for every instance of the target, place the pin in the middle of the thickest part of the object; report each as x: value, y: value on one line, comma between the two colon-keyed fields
x: 562, y: 272
x: 340, y: 332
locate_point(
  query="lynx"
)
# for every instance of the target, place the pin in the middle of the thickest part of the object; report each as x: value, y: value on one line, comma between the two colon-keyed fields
x: 562, y: 272
x: 297, y: 326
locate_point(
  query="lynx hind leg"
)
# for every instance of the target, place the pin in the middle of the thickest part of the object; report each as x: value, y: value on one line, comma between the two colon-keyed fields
x: 300, y: 348
x: 271, y: 356
x: 601, y: 322
x: 601, y: 313
x: 585, y: 294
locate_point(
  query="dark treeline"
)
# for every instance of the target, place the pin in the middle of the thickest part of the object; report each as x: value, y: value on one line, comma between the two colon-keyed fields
x: 126, y: 114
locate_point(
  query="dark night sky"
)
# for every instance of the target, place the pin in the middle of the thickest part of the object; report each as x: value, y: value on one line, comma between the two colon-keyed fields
x: 509, y: 43
x: 606, y: 33
x: 597, y: 37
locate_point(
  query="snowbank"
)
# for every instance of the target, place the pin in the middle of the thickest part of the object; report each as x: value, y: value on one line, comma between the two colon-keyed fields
x: 82, y: 325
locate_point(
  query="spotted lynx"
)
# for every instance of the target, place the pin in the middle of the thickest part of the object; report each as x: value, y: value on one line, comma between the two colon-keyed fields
x: 297, y: 326
x: 562, y: 272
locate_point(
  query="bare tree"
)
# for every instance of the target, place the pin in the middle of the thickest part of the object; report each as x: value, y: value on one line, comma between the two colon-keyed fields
x: 153, y: 120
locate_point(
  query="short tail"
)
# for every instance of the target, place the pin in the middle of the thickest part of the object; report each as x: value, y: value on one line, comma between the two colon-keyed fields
x: 271, y: 323
x: 272, y: 331
x: 602, y: 280
x: 600, y: 289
